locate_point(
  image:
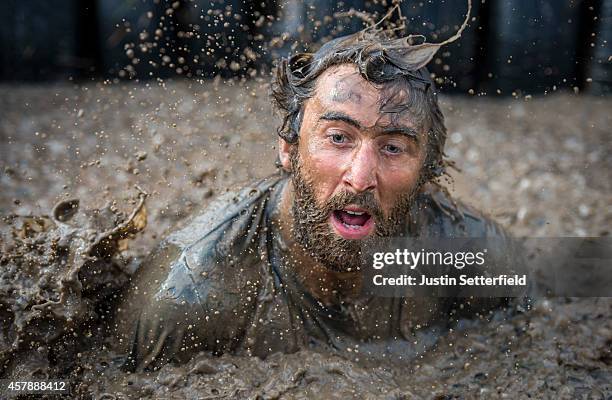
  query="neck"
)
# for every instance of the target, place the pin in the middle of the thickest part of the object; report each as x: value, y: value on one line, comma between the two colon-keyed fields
x: 327, y: 286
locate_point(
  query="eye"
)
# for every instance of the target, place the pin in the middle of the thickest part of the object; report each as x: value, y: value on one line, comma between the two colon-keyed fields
x: 392, y: 149
x: 338, y: 138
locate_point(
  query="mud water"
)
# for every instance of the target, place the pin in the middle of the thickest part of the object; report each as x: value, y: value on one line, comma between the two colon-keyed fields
x: 540, y: 166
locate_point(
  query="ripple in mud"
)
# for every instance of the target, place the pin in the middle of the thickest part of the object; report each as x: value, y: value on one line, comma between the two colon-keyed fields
x: 560, y: 349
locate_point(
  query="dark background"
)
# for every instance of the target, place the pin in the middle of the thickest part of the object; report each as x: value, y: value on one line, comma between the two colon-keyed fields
x: 511, y: 46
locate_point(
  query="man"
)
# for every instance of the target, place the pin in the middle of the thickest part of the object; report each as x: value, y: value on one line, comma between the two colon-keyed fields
x: 276, y: 267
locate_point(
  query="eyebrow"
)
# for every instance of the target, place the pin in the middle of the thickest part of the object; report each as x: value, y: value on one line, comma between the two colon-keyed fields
x: 340, y: 116
x: 401, y: 130
x: 389, y: 130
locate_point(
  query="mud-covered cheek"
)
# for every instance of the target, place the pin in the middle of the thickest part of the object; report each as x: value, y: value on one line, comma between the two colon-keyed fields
x: 325, y: 169
x: 397, y: 181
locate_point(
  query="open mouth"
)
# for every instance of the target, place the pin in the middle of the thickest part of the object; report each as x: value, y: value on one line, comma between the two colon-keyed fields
x: 352, y: 222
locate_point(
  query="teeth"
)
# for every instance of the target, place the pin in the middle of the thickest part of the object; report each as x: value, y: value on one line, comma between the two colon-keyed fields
x: 355, y: 212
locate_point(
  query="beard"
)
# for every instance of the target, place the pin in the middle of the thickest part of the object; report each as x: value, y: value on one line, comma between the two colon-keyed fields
x: 312, y: 229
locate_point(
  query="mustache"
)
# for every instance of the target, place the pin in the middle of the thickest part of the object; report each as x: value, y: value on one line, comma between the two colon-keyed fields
x: 365, y: 200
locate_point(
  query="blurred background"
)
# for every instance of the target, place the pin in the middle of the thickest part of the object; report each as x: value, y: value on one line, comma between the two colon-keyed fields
x: 511, y: 46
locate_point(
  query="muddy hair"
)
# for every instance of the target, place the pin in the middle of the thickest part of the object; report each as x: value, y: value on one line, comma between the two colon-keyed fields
x: 383, y: 59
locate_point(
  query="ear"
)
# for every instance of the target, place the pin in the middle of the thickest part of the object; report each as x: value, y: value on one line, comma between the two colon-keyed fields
x: 284, y: 149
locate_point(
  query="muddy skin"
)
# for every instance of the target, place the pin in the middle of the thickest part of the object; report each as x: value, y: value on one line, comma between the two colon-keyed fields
x: 539, y: 166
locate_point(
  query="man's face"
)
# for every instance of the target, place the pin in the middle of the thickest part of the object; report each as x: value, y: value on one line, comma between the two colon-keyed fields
x: 355, y: 168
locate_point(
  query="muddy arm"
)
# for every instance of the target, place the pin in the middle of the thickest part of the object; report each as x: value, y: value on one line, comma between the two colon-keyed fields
x: 173, y: 310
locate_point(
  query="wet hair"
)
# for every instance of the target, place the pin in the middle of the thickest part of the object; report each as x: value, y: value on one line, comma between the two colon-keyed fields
x: 383, y: 59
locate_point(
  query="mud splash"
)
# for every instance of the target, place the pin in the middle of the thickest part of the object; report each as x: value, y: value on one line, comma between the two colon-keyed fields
x: 58, y: 276
x: 543, y: 172
x: 61, y: 275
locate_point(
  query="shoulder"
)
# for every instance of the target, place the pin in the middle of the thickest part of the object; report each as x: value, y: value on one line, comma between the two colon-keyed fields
x: 198, y: 289
x: 444, y: 217
x: 218, y: 246
x: 229, y: 230
x: 439, y: 214
x: 232, y: 208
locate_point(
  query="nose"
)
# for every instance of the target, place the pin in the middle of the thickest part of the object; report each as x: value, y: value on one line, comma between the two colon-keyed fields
x: 361, y: 173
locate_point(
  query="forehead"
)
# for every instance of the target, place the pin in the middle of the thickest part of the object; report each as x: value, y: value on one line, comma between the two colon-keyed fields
x: 342, y: 88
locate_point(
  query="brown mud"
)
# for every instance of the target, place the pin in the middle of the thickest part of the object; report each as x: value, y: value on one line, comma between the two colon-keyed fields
x: 540, y: 166
x: 58, y: 274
